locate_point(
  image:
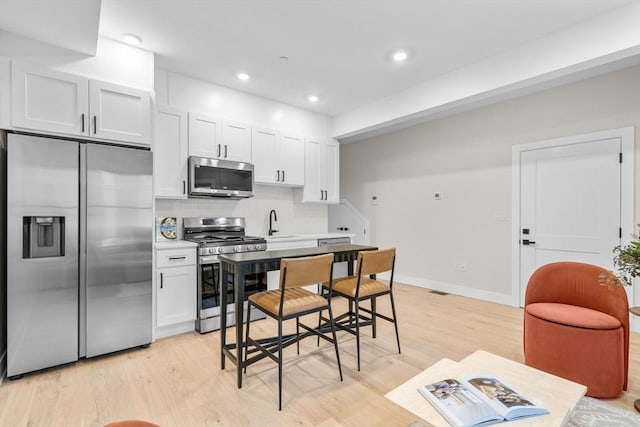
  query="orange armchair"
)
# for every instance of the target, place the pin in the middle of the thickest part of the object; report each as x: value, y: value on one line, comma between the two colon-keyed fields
x: 576, y: 328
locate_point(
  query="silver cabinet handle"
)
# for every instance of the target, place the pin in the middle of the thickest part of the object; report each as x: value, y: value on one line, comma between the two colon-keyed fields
x: 184, y: 187
x: 282, y: 176
x: 82, y: 118
x: 218, y: 150
x: 95, y: 125
x: 173, y: 258
x: 225, y: 151
x: 278, y: 178
x: 161, y: 280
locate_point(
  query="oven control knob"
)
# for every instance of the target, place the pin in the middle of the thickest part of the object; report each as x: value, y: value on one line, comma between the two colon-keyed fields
x: 221, y: 250
x: 236, y: 248
x: 249, y: 248
x: 213, y: 250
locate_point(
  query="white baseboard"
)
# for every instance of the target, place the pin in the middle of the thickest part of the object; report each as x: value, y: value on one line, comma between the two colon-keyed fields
x: 178, y: 328
x: 450, y: 288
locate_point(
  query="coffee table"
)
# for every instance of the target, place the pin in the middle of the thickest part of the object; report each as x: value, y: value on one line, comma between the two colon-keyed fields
x: 556, y: 394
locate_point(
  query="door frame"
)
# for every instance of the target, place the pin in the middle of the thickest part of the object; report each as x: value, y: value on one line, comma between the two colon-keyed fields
x: 627, y: 137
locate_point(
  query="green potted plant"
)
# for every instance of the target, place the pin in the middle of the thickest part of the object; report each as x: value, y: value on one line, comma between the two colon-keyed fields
x: 627, y: 262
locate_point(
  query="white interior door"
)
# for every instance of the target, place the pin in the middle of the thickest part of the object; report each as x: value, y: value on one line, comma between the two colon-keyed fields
x: 570, y: 205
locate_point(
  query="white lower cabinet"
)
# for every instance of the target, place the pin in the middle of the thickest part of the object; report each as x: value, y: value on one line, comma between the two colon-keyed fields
x: 176, y: 291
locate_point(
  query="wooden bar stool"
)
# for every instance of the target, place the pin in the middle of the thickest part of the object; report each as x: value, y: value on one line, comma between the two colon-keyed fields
x: 291, y: 301
x: 362, y: 287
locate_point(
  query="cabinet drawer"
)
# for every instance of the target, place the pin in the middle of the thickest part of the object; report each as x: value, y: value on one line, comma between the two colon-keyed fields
x: 175, y: 257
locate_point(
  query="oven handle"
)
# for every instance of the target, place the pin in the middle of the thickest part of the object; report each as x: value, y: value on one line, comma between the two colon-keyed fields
x: 206, y: 260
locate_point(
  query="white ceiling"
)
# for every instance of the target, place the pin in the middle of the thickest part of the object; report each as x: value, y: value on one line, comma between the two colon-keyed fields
x: 337, y: 49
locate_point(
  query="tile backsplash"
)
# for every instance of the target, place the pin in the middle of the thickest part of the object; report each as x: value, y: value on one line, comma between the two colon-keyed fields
x: 293, y: 217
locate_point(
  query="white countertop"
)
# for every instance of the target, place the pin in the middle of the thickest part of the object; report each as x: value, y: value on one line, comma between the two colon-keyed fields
x: 174, y: 244
x: 299, y: 237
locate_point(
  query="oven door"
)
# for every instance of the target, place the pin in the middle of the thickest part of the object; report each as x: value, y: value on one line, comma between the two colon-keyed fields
x: 210, y: 289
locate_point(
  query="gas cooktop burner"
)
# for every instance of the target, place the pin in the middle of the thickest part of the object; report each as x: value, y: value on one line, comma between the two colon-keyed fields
x: 220, y: 235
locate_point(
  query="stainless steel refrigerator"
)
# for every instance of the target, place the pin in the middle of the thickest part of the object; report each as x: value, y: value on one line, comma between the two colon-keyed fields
x: 79, y: 242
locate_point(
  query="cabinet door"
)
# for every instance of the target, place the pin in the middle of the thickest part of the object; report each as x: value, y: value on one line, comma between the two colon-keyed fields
x: 119, y: 113
x: 204, y: 136
x: 291, y: 159
x: 170, y: 153
x: 5, y: 93
x: 176, y: 295
x: 332, y: 176
x: 236, y: 142
x: 313, y: 191
x: 264, y: 155
x: 48, y: 100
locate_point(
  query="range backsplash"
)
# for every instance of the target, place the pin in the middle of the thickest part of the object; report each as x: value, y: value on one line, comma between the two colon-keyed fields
x: 293, y: 217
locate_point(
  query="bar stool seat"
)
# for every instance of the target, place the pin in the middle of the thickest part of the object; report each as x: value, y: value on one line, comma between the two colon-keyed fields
x: 295, y: 301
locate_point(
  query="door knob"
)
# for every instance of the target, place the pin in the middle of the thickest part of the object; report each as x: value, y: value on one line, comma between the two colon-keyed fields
x: 527, y: 242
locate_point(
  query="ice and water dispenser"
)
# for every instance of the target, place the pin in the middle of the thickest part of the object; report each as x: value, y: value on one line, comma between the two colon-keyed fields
x: 42, y: 236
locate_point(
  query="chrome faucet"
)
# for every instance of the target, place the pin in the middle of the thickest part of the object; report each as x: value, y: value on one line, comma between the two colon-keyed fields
x: 272, y: 215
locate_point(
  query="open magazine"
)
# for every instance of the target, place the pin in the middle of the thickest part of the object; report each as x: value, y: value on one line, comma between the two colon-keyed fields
x: 478, y: 400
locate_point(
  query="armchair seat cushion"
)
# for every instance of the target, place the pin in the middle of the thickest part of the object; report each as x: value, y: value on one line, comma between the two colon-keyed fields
x: 572, y: 315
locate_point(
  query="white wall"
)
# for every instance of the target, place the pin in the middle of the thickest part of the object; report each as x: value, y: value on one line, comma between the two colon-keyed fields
x: 114, y: 62
x: 467, y: 157
x: 202, y: 97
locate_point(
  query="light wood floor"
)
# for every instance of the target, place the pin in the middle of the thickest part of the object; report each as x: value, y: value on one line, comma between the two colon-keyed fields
x: 178, y: 382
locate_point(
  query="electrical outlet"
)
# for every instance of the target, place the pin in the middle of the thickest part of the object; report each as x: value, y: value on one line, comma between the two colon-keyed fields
x: 461, y: 266
x: 374, y: 201
x: 437, y: 195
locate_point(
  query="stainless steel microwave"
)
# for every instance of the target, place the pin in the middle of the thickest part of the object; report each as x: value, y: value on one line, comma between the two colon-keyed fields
x: 220, y: 178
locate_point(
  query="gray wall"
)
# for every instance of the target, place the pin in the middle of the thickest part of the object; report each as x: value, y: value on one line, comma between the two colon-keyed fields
x: 467, y: 157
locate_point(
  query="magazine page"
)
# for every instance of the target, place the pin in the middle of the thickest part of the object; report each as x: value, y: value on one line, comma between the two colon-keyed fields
x: 502, y: 398
x: 456, y: 402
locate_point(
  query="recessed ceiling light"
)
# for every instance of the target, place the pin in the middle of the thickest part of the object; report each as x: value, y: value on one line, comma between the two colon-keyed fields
x: 131, y: 39
x: 313, y: 98
x: 284, y: 59
x: 243, y: 76
x: 400, y: 56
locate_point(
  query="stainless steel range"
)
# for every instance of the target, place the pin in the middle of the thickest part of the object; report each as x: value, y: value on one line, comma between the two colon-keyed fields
x: 221, y: 235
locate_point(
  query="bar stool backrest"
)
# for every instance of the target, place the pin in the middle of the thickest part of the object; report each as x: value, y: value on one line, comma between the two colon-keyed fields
x: 298, y: 272
x: 374, y: 262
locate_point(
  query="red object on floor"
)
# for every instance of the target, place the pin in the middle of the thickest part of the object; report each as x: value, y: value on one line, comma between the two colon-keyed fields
x: 576, y: 328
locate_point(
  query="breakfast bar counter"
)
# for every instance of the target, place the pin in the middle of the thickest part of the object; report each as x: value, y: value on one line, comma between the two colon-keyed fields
x: 236, y: 266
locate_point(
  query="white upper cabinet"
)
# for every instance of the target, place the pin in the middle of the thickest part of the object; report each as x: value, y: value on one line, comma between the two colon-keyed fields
x: 214, y: 138
x: 264, y: 155
x: 52, y: 101
x: 119, y: 113
x: 170, y: 153
x: 322, y: 166
x: 236, y: 141
x: 277, y: 158
x: 291, y: 157
x: 332, y: 185
x: 49, y: 100
x: 204, y: 136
